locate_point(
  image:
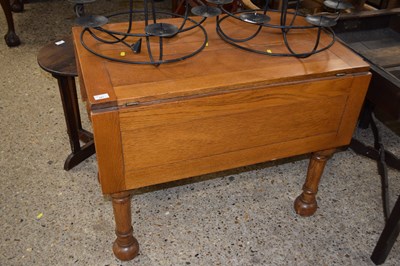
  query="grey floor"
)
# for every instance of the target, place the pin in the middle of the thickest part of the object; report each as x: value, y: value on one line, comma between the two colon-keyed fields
x: 240, y: 217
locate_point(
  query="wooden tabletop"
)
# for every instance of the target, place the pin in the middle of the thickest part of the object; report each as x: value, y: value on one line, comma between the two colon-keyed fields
x: 58, y: 57
x: 220, y: 66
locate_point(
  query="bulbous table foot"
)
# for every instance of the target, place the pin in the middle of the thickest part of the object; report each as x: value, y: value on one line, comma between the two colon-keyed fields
x: 304, y: 208
x: 12, y: 39
x: 125, y: 247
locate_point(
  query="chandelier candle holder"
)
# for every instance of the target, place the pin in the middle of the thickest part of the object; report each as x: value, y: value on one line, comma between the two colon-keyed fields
x: 254, y: 30
x: 261, y: 34
x: 158, y: 38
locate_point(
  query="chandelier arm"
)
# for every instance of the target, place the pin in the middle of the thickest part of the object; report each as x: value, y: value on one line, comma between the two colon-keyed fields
x: 234, y: 39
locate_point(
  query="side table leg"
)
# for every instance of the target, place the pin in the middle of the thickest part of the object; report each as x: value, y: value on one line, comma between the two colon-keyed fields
x: 125, y: 247
x: 70, y: 103
x: 69, y: 100
x: 306, y: 203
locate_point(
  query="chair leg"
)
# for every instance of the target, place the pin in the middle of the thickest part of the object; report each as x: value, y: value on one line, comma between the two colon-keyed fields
x: 388, y: 236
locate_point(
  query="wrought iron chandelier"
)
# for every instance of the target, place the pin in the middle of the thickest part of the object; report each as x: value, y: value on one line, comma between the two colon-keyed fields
x: 156, y: 35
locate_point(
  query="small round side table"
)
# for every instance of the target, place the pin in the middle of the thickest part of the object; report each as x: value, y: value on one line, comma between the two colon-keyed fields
x: 58, y: 58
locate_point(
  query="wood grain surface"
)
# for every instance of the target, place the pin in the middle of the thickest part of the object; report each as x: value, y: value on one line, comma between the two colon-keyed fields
x: 219, y: 66
x: 221, y: 109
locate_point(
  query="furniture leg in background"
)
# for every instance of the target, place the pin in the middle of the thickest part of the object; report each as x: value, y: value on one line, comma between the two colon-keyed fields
x: 17, y: 6
x: 388, y: 236
x: 59, y: 59
x: 11, y: 37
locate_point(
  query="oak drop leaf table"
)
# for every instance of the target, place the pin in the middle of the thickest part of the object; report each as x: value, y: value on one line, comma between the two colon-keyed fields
x: 221, y: 109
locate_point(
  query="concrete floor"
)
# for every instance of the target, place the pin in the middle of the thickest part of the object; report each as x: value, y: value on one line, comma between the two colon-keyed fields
x: 239, y: 217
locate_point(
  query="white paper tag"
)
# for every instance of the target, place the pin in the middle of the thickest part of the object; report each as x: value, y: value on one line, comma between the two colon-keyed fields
x: 101, y: 96
x: 60, y: 42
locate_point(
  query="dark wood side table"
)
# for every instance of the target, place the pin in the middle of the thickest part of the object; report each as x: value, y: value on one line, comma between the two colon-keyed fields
x: 10, y: 37
x: 59, y: 60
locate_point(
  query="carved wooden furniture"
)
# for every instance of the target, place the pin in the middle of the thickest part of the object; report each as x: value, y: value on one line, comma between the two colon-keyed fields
x: 11, y: 37
x: 58, y: 58
x: 223, y: 108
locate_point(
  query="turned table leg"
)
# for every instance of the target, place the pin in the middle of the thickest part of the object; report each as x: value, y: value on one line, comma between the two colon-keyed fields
x: 306, y: 203
x: 125, y: 247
